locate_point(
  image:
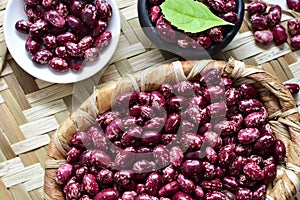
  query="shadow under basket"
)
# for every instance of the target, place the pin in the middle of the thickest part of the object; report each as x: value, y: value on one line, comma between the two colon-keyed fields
x: 280, y: 104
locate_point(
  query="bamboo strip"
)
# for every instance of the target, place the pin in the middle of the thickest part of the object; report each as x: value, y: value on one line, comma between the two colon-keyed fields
x: 128, y: 31
x: 111, y: 73
x: 13, y: 106
x: 269, y: 68
x: 4, y: 193
x: 3, y: 85
x: 41, y: 154
x: 239, y: 40
x: 30, y: 144
x: 35, y: 182
x: 129, y: 12
x: 37, y: 194
x: 11, y: 166
x: 3, y: 4
x: 2, y: 156
x: 45, y: 110
x: 123, y: 4
x: 290, y: 58
x: 272, y: 53
x: 5, y: 146
x: 3, y: 51
x: 280, y: 72
x: 17, y: 91
x: 6, y: 69
x: 124, y: 67
x: 61, y: 116
x: 24, y: 79
x: 1, y: 99
x: 39, y: 127
x: 285, y: 67
x: 28, y: 158
x: 42, y: 84
x: 22, y: 175
x: 295, y: 68
x: 19, y: 192
x: 49, y: 94
x: 135, y: 24
x: 9, y: 125
x: 132, y: 50
x: 246, y: 51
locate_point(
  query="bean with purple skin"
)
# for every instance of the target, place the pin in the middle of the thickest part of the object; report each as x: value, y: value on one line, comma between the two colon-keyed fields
x: 279, y: 151
x: 146, y: 197
x: 248, y: 135
x: 198, y: 192
x: 53, y: 17
x: 73, y: 49
x: 123, y: 180
x: 33, y: 13
x: 165, y: 31
x: 256, y: 7
x: 269, y: 173
x: 154, y: 13
x: 274, y: 15
x: 124, y: 158
x: 58, y: 64
x: 91, y: 54
x: 264, y: 142
x: 72, y: 190
x: 129, y: 195
x: 208, y: 170
x: 231, y: 17
x: 73, y: 155
x: 244, y: 194
x: 185, y: 184
x: 263, y: 37
x: 237, y: 165
x: 161, y: 155
x: 104, y: 10
x: 48, y: 4
x: 42, y: 56
x: 23, y: 26
x: 226, y: 155
x: 107, y: 194
x: 153, y: 184
x: 259, y: 193
x: 215, y: 34
x: 229, y: 195
x: 245, y: 182
x: 143, y: 166
x: 32, y: 45
x: 293, y: 5
x: 181, y: 195
x: 259, y: 22
x: 176, y: 156
x: 247, y: 91
x: 90, y: 184
x: 293, y: 26
x: 62, y: 9
x: 99, y: 158
x: 192, y: 141
x: 64, y: 173
x: 169, y: 189
x: 202, y: 42
x: 169, y: 174
x: 213, y: 139
x: 76, y: 7
x: 39, y: 28
x: 76, y: 25
x: 105, y: 177
x: 211, y: 185
x: 279, y: 34
x: 217, y: 110
x: 198, y: 115
x: 253, y: 171
x: 292, y: 87
x: 76, y: 64
x: 256, y: 119
x: 231, y: 183
x: 226, y: 128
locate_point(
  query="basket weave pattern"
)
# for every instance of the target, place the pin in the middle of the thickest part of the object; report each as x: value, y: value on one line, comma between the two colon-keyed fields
x: 282, y: 109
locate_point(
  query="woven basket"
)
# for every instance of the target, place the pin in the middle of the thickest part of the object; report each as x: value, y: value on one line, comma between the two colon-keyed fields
x: 282, y: 109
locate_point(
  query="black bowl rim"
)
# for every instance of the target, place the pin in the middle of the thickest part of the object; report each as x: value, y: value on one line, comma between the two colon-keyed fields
x: 216, y: 48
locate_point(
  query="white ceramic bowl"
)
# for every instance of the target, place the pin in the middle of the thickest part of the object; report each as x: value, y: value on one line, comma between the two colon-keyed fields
x: 15, y: 42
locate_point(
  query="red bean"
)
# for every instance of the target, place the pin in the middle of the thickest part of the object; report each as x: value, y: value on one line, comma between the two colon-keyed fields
x: 231, y: 17
x: 253, y: 171
x: 208, y: 170
x: 105, y: 177
x: 256, y: 119
x: 211, y: 155
x: 146, y: 197
x: 226, y: 155
x: 244, y: 193
x: 181, y: 195
x: 295, y: 42
x: 76, y: 25
x: 103, y: 40
x: 226, y: 128
x: 39, y: 28
x: 62, y: 9
x: 32, y: 45
x: 259, y: 22
x: 248, y: 135
x: 217, y: 110
x: 169, y: 189
x: 72, y: 190
x: 153, y: 184
x: 48, y: 4
x: 169, y: 174
x: 176, y: 156
x: 212, y: 185
x: 264, y: 37
x: 55, y: 19
x: 123, y: 180
x: 247, y: 91
x: 73, y: 49
x: 33, y: 13
x: 104, y: 9
x: 42, y: 56
x: 192, y: 169
x: 269, y: 173
x: 237, y: 165
x: 185, y: 184
x: 64, y: 173
x: 161, y: 155
x: 107, y: 194
x: 259, y: 193
x: 293, y: 26
x: 265, y: 141
x: 292, y: 87
x: 23, y: 26
x: 231, y: 183
x: 76, y: 7
x: 76, y: 64
x: 256, y: 7
x: 90, y: 185
x: 215, y: 195
x: 99, y: 158
x: 215, y: 34
x: 154, y: 13
x: 293, y: 5
x: 198, y: 192
x: 143, y: 166
x: 165, y: 31
x: 226, y: 83
x: 279, y: 151
x: 124, y: 158
x: 279, y: 34
x: 191, y: 141
x: 274, y: 15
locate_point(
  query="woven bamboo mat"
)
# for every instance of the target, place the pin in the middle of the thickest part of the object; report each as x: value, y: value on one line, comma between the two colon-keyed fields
x: 31, y: 109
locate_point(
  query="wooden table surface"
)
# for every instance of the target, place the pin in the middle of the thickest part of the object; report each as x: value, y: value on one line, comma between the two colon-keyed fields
x: 31, y: 109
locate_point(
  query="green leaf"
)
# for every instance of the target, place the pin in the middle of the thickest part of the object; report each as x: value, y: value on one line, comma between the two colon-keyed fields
x: 190, y: 16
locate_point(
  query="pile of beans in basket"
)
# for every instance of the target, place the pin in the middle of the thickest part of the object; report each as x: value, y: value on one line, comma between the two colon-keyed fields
x: 63, y: 34
x: 203, y: 139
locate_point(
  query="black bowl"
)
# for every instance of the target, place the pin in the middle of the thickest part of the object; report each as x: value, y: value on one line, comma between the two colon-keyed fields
x: 189, y: 53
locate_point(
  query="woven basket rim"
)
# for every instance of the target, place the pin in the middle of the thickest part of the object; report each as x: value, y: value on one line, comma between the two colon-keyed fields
x: 287, y: 118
